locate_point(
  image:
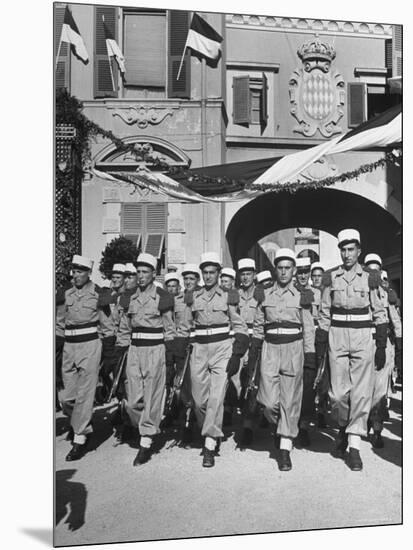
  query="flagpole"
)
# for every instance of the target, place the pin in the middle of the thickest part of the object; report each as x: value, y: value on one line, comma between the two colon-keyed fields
x: 58, y: 49
x: 204, y: 145
x: 109, y: 60
x: 182, y: 59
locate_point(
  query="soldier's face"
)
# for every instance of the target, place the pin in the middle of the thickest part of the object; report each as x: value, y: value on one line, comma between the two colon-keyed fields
x: 145, y: 275
x: 227, y: 283
x: 247, y: 278
x: 190, y: 281
x: 285, y: 271
x: 80, y: 277
x: 317, y: 277
x: 131, y: 281
x: 350, y: 254
x: 375, y: 266
x: 117, y: 280
x: 385, y: 283
x: 303, y: 276
x: 172, y: 287
x: 210, y: 275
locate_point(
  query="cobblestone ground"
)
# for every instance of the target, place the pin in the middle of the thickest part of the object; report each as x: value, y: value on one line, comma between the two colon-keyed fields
x: 103, y: 498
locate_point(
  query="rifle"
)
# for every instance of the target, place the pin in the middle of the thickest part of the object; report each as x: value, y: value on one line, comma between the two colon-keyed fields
x: 178, y: 381
x: 320, y: 371
x: 121, y: 365
x: 252, y: 388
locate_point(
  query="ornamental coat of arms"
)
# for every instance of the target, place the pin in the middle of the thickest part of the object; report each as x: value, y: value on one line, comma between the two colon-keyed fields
x: 316, y: 94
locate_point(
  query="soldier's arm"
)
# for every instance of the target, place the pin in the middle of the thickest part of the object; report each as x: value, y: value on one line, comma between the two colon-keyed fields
x: 166, y: 308
x: 238, y: 324
x: 308, y: 330
x: 378, y: 302
x: 60, y: 319
x: 395, y: 320
x: 124, y: 334
x: 324, y: 320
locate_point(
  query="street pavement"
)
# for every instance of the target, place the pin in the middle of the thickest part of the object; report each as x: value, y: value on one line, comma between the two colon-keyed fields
x: 103, y: 498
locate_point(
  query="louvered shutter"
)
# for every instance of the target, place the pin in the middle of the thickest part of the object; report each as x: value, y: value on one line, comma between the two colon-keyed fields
x: 178, y: 28
x: 241, y: 102
x: 154, y: 244
x: 356, y: 99
x: 397, y: 61
x: 264, y: 101
x: 103, y: 86
x: 156, y: 228
x: 62, y: 74
x: 388, y: 55
x: 132, y: 222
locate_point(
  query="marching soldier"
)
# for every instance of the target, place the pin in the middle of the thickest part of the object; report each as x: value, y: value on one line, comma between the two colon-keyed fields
x: 150, y: 317
x: 215, y: 356
x: 284, y: 322
x: 227, y: 278
x: 382, y: 378
x: 351, y: 303
x: 84, y: 317
x: 172, y: 283
x: 395, y: 305
x: 316, y: 273
x: 307, y: 406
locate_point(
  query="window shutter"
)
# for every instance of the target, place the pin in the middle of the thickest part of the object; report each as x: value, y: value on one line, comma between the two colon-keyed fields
x: 397, y: 60
x: 132, y: 222
x: 357, y: 108
x: 63, y: 64
x: 156, y: 217
x: 154, y: 244
x: 388, y: 55
x: 264, y: 101
x: 103, y: 86
x: 241, y: 103
x: 178, y: 28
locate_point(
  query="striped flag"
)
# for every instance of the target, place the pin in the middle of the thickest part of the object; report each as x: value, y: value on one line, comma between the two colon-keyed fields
x: 113, y: 48
x: 203, y: 38
x: 71, y: 34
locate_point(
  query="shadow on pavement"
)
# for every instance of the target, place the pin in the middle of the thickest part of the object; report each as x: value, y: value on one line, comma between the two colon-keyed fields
x: 70, y: 496
x: 392, y: 451
x: 43, y: 535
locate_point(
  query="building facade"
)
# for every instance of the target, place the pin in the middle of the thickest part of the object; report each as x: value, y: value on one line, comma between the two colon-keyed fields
x: 280, y: 86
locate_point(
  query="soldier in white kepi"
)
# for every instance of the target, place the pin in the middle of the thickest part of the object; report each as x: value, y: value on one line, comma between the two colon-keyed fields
x: 351, y: 304
x: 172, y: 283
x: 150, y: 315
x: 227, y: 278
x: 264, y: 278
x: 215, y: 357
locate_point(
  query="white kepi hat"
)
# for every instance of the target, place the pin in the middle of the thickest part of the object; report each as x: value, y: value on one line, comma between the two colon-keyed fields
x: 191, y: 268
x: 347, y: 236
x: 373, y: 259
x: 130, y: 268
x: 82, y: 262
x: 246, y: 263
x: 147, y: 259
x: 264, y: 276
x: 119, y: 268
x: 210, y: 258
x: 284, y: 254
x: 229, y: 272
x: 384, y: 275
x: 317, y: 265
x: 303, y: 262
x: 173, y: 276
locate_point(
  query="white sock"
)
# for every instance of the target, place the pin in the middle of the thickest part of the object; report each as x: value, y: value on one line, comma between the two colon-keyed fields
x: 146, y: 441
x: 354, y: 441
x: 79, y: 439
x: 286, y: 444
x: 210, y: 443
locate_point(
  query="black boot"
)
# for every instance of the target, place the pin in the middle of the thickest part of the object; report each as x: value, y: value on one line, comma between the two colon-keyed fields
x: 355, y: 462
x: 70, y: 434
x: 284, y: 463
x: 144, y: 454
x: 76, y: 452
x: 227, y: 420
x: 217, y: 446
x: 321, y: 420
x: 377, y: 440
x: 208, y: 460
x: 303, y: 438
x: 247, y: 437
x: 276, y: 440
x: 341, y: 441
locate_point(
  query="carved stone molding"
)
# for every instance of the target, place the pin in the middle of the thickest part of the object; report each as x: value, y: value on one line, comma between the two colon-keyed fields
x: 319, y: 170
x: 316, y: 91
x: 142, y: 115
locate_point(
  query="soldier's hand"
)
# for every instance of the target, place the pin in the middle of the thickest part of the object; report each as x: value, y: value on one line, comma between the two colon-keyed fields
x: 380, y: 358
x: 233, y: 365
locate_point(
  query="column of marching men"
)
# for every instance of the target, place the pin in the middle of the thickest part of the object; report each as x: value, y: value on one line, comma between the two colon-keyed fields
x: 283, y: 353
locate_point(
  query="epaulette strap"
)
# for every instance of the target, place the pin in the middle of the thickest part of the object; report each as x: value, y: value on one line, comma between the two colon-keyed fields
x: 392, y: 296
x: 189, y: 297
x: 327, y: 279
x: 124, y: 299
x: 374, y: 278
x: 307, y: 297
x: 259, y: 294
x: 166, y: 301
x: 233, y: 297
x: 105, y: 296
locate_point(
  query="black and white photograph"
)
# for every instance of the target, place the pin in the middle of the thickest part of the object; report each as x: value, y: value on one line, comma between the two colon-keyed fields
x: 228, y: 290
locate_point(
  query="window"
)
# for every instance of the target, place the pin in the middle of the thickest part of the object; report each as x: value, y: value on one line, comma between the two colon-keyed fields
x: 366, y: 101
x: 152, y: 42
x: 250, y: 100
x: 145, y: 224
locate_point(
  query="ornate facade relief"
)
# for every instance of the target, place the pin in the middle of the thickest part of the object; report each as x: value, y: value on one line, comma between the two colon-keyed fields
x: 142, y: 115
x: 317, y: 91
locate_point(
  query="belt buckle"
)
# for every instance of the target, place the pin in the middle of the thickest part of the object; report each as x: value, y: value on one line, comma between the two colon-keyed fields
x: 209, y: 331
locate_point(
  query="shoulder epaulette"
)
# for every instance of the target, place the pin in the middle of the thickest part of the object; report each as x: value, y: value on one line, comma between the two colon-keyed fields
x: 124, y: 299
x: 327, y: 279
x: 233, y: 297
x: 105, y: 296
x: 392, y: 296
x: 259, y: 294
x: 374, y: 278
x: 307, y: 297
x: 189, y: 297
x: 166, y: 300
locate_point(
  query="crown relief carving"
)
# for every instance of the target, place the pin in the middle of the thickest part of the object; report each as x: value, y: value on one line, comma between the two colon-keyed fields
x: 142, y: 115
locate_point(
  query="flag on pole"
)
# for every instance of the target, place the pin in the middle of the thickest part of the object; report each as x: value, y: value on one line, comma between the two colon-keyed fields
x: 203, y: 38
x: 71, y: 34
x: 113, y: 48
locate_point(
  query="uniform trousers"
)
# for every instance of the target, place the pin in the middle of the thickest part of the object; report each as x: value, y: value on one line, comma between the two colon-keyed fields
x: 209, y: 383
x: 145, y: 387
x: 80, y: 371
x: 351, y: 356
x: 381, y: 384
x: 281, y: 385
